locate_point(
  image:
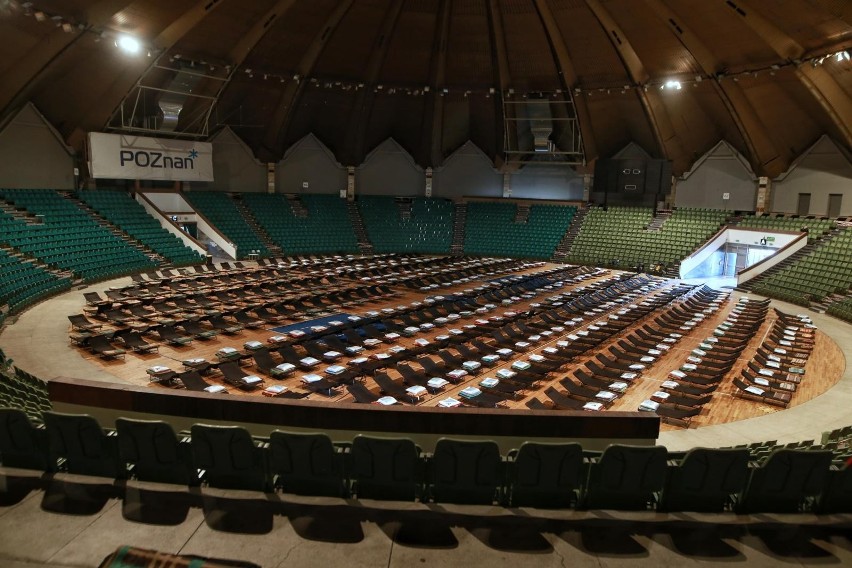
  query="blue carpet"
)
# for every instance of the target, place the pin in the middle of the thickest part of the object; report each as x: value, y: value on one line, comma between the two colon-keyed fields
x: 306, y: 325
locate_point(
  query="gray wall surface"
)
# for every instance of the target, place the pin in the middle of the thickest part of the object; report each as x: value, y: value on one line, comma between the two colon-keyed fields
x: 33, y: 154
x: 234, y: 166
x: 309, y: 161
x: 822, y: 170
x: 720, y: 171
x: 468, y: 171
x: 389, y: 170
x: 547, y: 182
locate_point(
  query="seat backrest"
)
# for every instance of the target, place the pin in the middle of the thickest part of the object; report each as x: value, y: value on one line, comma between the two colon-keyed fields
x: 153, y: 448
x: 306, y: 464
x: 706, y: 470
x: 386, y: 468
x: 21, y: 444
x: 546, y: 475
x: 229, y: 456
x: 801, y: 472
x: 466, y: 471
x: 80, y: 440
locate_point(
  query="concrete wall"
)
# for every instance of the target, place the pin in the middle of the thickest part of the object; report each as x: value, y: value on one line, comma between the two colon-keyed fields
x: 309, y: 161
x: 234, y: 166
x: 468, y: 171
x: 547, y: 182
x: 721, y: 170
x: 169, y: 202
x: 33, y: 153
x: 390, y: 170
x: 823, y: 169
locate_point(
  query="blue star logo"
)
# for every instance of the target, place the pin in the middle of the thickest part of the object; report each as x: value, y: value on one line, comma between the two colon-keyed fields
x: 193, y: 153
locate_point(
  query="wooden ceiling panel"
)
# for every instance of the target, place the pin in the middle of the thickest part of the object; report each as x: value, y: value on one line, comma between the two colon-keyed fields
x: 282, y: 48
x: 348, y: 51
x: 470, y: 63
x: 657, y: 47
x: 410, y: 53
x: 223, y: 29
x: 720, y: 26
x: 595, y: 60
x: 812, y: 28
x: 145, y: 18
x: 531, y: 64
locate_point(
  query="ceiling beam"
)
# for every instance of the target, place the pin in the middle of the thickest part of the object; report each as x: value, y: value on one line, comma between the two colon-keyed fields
x: 504, y: 114
x: 276, y: 132
x: 761, y: 149
x: 568, y: 76
x: 432, y: 123
x: 819, y: 82
x: 184, y: 23
x: 237, y: 55
x: 24, y: 74
x: 669, y: 145
x: 359, y: 120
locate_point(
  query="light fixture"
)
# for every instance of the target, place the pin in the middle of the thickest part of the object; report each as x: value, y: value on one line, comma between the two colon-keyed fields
x: 672, y: 85
x: 128, y: 44
x: 39, y: 16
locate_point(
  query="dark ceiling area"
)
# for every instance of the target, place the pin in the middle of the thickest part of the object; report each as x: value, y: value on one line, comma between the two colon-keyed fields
x: 674, y: 76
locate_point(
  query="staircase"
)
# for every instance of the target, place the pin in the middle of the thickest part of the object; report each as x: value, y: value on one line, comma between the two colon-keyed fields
x: 564, y: 246
x: 21, y: 214
x: 459, y: 223
x: 248, y: 216
x: 404, y: 206
x: 117, y: 231
x: 522, y: 214
x: 659, y: 219
x: 364, y: 244
x: 297, y: 207
x: 12, y: 251
x: 793, y: 259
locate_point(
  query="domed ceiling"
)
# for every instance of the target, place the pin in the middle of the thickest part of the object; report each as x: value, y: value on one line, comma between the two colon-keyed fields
x: 674, y: 76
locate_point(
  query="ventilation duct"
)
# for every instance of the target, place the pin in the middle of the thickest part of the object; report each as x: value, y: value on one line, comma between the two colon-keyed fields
x: 535, y: 126
x: 173, y: 99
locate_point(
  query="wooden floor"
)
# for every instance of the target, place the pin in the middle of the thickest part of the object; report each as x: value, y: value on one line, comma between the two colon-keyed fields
x: 823, y: 370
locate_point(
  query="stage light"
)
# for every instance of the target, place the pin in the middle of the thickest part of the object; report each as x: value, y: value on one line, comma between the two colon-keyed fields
x: 129, y: 44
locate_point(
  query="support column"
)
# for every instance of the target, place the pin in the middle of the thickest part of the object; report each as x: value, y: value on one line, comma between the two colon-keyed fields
x: 270, y: 177
x: 350, y: 183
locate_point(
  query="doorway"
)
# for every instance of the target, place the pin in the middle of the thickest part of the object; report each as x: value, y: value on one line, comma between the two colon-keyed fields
x: 804, y: 207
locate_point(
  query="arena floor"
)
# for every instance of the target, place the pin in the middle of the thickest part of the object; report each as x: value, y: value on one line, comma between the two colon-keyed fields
x: 43, y: 527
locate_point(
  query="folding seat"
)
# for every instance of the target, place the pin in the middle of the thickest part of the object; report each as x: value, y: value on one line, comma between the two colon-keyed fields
x: 82, y: 445
x: 386, y: 468
x: 705, y: 480
x: 229, y: 456
x: 786, y: 482
x: 544, y: 475
x: 155, y: 452
x: 466, y: 472
x: 22, y: 445
x: 306, y: 464
x: 625, y: 477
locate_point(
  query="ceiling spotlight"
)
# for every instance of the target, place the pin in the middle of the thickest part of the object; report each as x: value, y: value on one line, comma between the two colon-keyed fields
x: 39, y: 16
x: 842, y: 55
x: 673, y: 85
x: 67, y: 28
x: 129, y: 44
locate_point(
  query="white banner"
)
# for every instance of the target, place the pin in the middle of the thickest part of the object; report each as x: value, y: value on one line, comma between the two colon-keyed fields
x: 119, y: 156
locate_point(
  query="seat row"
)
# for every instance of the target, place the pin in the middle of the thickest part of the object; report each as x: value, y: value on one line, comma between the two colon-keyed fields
x: 542, y: 475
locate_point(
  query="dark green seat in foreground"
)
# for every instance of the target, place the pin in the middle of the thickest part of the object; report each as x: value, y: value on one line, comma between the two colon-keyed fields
x: 306, y: 464
x: 386, y: 468
x: 230, y: 457
x: 22, y: 444
x: 466, y: 472
x: 706, y: 480
x: 786, y: 482
x: 545, y: 475
x: 626, y: 477
x: 82, y: 445
x: 155, y: 451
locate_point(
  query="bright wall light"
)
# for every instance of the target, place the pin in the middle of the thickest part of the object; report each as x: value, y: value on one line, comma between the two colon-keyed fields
x: 129, y: 44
